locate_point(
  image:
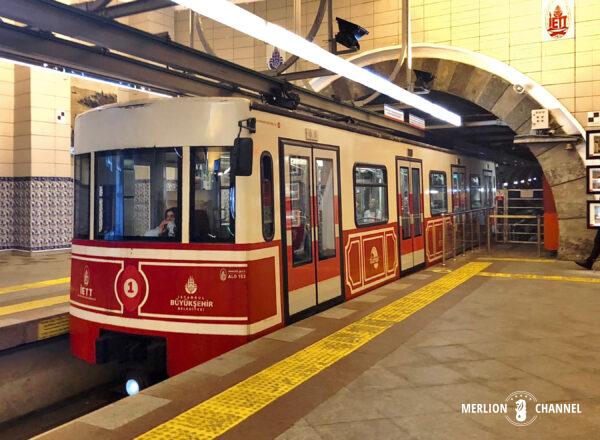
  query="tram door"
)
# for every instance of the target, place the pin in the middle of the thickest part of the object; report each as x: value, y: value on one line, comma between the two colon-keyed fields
x: 310, y: 182
x: 410, y: 213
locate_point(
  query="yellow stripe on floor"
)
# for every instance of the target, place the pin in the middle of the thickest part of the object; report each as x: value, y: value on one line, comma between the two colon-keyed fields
x: 531, y: 276
x: 37, y: 285
x: 519, y: 260
x: 222, y: 412
x: 31, y: 305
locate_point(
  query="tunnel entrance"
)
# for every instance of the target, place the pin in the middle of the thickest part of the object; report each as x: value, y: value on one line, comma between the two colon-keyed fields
x: 495, y: 101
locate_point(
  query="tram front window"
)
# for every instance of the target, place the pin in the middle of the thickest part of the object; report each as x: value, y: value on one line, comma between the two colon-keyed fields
x: 137, y: 194
x: 213, y: 202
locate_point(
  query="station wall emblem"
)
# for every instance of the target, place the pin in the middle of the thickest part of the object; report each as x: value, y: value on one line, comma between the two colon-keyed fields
x: 558, y: 19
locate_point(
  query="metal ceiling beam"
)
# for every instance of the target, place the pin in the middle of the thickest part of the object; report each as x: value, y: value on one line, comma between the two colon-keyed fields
x: 490, y: 123
x: 380, y: 107
x: 305, y: 74
x: 24, y: 45
x: 53, y: 16
x: 136, y: 7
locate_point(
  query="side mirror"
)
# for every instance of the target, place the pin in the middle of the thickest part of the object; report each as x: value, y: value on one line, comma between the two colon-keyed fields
x: 241, y: 157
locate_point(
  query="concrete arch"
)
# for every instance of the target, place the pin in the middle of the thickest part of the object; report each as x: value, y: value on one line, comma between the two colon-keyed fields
x: 489, y: 83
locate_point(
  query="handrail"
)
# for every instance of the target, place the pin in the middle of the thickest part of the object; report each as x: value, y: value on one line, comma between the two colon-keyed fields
x: 513, y: 216
x: 538, y: 225
x: 474, y: 223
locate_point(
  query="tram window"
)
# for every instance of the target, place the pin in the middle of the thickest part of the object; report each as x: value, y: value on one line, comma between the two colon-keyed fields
x: 476, y: 191
x: 137, y: 194
x: 300, y: 210
x: 212, y: 208
x: 370, y: 195
x: 266, y: 195
x: 81, y: 221
x: 438, y: 192
x: 325, y: 208
x: 416, y: 196
x: 488, y: 187
x: 459, y: 191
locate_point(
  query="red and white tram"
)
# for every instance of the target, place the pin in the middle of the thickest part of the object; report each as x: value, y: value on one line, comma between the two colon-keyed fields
x: 186, y: 247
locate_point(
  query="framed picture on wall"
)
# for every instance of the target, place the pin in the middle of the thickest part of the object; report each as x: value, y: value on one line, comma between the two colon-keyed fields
x: 593, y: 144
x: 593, y: 179
x: 593, y: 214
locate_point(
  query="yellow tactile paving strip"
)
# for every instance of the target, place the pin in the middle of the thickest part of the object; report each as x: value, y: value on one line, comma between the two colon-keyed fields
x: 531, y: 276
x: 36, y: 285
x: 519, y: 260
x: 222, y: 412
x: 31, y: 305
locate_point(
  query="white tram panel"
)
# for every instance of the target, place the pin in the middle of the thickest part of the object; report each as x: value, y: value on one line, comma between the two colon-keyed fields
x: 174, y: 122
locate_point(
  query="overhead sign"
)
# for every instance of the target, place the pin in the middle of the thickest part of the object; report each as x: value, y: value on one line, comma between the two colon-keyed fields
x: 558, y: 19
x: 393, y: 113
x: 415, y: 121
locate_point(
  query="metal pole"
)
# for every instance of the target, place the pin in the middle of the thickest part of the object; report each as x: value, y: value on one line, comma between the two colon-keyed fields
x: 406, y: 43
x: 479, y: 230
x: 297, y: 22
x: 454, y: 226
x: 464, y: 232
x: 471, y: 239
x: 332, y: 45
x: 192, y: 15
x: 489, y: 230
x: 443, y: 239
x: 539, y: 236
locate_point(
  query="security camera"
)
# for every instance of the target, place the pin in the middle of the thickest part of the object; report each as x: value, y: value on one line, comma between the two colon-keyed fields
x: 519, y: 88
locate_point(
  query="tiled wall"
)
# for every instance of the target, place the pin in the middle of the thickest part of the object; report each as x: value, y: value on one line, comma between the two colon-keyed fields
x: 36, y: 186
x: 36, y: 213
x: 506, y: 30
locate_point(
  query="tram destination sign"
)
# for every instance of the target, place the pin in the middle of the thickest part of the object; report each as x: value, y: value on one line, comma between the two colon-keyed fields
x: 558, y: 19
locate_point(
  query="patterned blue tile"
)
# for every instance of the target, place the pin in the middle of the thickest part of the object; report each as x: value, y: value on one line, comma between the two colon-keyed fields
x: 36, y: 213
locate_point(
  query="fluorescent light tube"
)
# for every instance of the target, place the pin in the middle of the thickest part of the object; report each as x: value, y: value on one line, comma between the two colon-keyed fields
x: 237, y: 18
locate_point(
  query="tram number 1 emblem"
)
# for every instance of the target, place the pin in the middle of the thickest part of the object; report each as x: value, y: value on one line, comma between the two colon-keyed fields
x: 131, y: 287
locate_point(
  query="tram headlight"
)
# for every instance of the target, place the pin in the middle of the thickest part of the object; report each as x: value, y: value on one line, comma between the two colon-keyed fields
x: 132, y: 387
x: 135, y: 382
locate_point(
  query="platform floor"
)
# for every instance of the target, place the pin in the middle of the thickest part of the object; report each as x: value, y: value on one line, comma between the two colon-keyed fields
x: 396, y: 363
x: 34, y: 296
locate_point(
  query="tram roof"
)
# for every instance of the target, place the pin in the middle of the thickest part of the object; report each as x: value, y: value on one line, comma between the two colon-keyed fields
x: 160, y: 123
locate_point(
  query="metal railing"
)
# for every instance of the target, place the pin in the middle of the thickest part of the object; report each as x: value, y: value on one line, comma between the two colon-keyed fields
x: 463, y: 231
x: 509, y: 232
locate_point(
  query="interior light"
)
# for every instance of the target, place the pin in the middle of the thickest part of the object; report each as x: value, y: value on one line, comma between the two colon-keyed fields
x: 237, y: 18
x: 515, y: 182
x: 522, y: 181
x: 505, y: 184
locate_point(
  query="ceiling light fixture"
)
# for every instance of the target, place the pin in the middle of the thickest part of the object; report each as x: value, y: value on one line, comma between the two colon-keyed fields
x: 237, y: 18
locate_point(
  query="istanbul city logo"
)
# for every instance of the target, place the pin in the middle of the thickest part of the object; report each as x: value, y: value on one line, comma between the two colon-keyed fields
x: 191, y: 302
x: 521, y: 408
x: 191, y: 287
